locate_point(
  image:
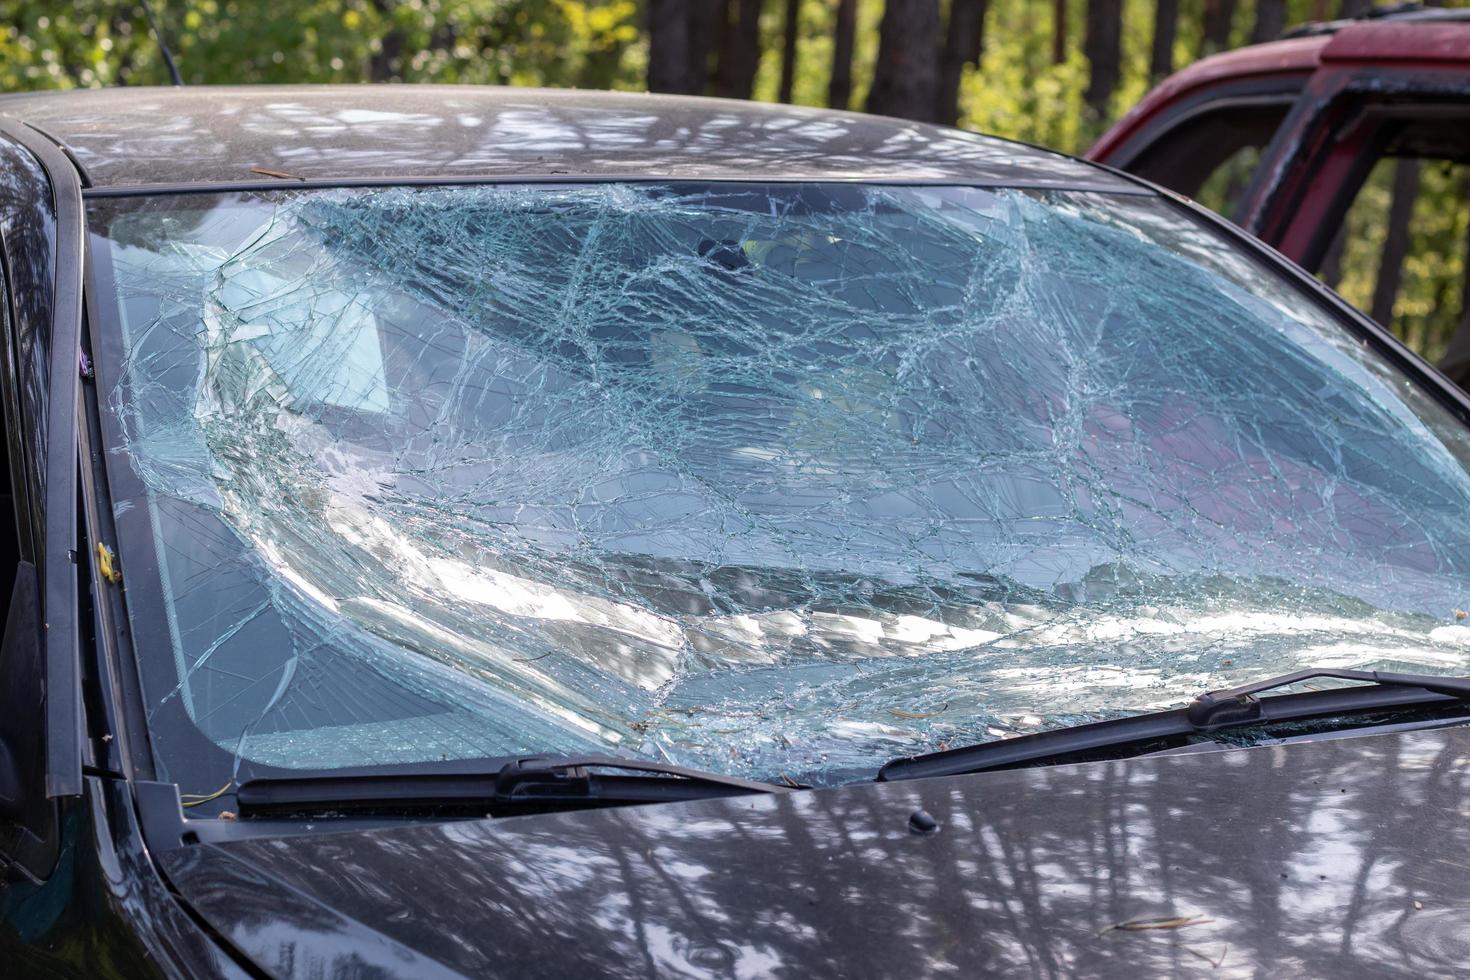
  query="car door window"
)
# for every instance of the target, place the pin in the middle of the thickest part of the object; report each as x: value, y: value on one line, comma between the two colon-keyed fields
x: 1212, y: 155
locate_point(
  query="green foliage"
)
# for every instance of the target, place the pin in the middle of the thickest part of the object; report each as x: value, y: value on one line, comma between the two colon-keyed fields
x: 1017, y: 91
x: 510, y: 42
x: 1427, y: 308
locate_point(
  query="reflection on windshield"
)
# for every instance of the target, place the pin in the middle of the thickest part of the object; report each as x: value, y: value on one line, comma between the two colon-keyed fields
x: 765, y: 479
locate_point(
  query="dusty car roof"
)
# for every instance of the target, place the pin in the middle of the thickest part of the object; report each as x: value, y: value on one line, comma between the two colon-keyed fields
x: 151, y: 136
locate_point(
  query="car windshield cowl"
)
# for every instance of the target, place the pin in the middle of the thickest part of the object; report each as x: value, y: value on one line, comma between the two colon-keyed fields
x: 771, y: 479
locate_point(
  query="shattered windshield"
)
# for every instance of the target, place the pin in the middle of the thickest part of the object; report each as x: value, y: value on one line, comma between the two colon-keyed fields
x: 767, y: 479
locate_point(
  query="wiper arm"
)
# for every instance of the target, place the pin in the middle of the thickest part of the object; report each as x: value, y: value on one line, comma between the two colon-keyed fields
x: 1210, y: 712
x: 526, y: 785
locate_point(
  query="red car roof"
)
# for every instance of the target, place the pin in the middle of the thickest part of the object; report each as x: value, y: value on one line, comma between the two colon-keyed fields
x: 1401, y: 41
x: 1366, y: 41
x: 1295, y: 56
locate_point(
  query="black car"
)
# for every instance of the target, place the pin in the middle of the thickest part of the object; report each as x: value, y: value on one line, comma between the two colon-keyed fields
x: 508, y: 533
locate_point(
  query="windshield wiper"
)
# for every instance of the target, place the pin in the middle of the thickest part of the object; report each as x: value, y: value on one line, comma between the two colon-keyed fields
x: 1210, y: 712
x: 526, y: 785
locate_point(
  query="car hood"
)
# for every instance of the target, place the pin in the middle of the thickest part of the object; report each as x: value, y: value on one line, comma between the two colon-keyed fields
x: 1336, y: 857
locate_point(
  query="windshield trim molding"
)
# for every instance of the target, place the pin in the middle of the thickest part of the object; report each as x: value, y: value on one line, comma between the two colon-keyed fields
x: 303, y: 183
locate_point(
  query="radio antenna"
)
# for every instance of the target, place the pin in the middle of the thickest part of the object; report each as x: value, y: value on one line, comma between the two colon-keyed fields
x: 168, y: 56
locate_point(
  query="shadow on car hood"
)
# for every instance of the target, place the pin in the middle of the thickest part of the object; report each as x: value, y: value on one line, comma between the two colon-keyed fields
x: 1333, y: 858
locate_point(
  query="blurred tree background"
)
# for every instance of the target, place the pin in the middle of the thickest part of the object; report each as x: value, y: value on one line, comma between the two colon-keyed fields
x: 1053, y: 72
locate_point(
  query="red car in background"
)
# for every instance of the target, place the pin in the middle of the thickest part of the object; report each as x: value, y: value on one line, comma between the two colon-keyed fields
x: 1282, y: 136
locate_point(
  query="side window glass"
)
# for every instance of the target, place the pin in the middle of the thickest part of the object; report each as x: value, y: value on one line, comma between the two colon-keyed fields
x: 1212, y: 156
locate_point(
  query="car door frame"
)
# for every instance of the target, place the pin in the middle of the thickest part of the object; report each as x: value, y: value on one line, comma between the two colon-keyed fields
x: 1323, y: 151
x: 1123, y: 148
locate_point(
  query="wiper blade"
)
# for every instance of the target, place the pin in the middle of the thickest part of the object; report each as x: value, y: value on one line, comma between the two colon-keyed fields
x: 1210, y: 712
x: 526, y: 785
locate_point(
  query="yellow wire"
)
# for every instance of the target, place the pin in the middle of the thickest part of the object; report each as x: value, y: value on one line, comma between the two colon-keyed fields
x: 197, y: 800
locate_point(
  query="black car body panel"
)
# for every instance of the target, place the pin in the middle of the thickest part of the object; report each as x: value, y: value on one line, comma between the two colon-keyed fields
x: 1339, y: 858
x: 105, y: 910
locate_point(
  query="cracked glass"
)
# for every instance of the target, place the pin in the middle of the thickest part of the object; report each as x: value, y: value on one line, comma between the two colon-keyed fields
x: 771, y: 479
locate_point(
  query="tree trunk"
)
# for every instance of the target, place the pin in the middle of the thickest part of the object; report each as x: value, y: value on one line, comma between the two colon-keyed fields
x: 1103, y: 45
x: 1270, y: 20
x: 1058, y: 31
x: 1465, y: 257
x: 740, y: 49
x: 839, y: 89
x: 704, y: 34
x: 1332, y: 261
x: 1219, y: 14
x: 1166, y: 29
x: 384, y: 64
x: 1354, y: 8
x: 964, y: 39
x: 681, y: 36
x: 788, y: 49
x: 1456, y: 361
x: 1395, y: 240
x: 906, y: 77
x: 668, y: 45
x: 1028, y: 65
